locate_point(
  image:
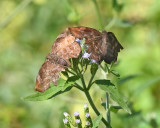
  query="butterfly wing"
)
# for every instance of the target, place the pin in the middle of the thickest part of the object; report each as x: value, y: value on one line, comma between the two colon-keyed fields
x: 62, y: 50
x: 65, y: 46
x: 110, y: 47
x: 93, y: 39
x: 49, y: 72
x: 85, y: 32
x: 102, y: 46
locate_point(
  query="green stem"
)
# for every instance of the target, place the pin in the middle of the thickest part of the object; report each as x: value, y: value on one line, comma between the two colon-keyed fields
x: 111, y: 23
x: 94, y: 108
x: 83, y: 83
x: 71, y: 72
x: 86, y: 91
x: 90, y: 82
x: 98, y: 13
x: 108, y: 109
x: 78, y: 87
x: 91, y: 102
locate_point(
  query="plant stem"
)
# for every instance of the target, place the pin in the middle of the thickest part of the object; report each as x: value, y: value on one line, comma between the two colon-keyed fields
x: 78, y: 86
x: 71, y: 72
x: 90, y: 82
x: 107, y: 108
x: 83, y: 83
x: 91, y: 102
x: 86, y: 91
x: 95, y: 109
x: 98, y: 13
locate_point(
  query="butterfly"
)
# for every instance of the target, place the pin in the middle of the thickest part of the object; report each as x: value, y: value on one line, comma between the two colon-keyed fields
x: 100, y: 46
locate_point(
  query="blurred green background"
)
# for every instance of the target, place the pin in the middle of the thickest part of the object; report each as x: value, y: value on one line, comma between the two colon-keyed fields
x: 29, y: 27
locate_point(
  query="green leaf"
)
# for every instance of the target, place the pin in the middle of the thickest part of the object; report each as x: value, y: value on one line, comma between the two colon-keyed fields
x: 127, y: 78
x: 70, y: 81
x: 45, y: 95
x: 115, y: 73
x: 123, y: 23
x: 106, y: 85
x: 115, y: 108
x: 39, y: 96
x: 145, y: 85
x: 61, y: 92
x: 75, y: 62
x: 97, y: 121
x: 94, y: 68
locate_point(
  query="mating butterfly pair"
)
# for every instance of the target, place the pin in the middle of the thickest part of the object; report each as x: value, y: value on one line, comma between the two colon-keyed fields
x: 100, y: 46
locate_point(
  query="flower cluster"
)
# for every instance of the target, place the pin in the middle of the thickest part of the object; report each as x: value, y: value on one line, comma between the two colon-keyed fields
x: 85, y: 54
x: 77, y: 123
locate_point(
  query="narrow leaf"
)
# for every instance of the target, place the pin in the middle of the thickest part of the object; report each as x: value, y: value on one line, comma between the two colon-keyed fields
x: 39, y: 96
x: 115, y: 108
x: 97, y: 121
x: 61, y: 92
x: 115, y: 73
x: 45, y: 95
x: 127, y: 78
x: 145, y: 85
x: 106, y: 85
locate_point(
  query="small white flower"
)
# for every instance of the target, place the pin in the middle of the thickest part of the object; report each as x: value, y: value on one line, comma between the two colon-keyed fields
x: 87, y: 115
x: 65, y: 121
x: 85, y: 105
x: 86, y: 55
x: 76, y: 114
x: 78, y: 121
x: 65, y: 114
x: 93, y: 61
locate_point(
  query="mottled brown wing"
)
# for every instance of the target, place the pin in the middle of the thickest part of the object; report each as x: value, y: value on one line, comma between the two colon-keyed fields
x: 85, y: 32
x: 93, y: 39
x: 102, y: 46
x: 65, y: 46
x: 110, y: 47
x: 49, y: 72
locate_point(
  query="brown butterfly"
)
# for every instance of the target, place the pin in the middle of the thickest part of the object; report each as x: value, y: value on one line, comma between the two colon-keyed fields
x: 100, y: 46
